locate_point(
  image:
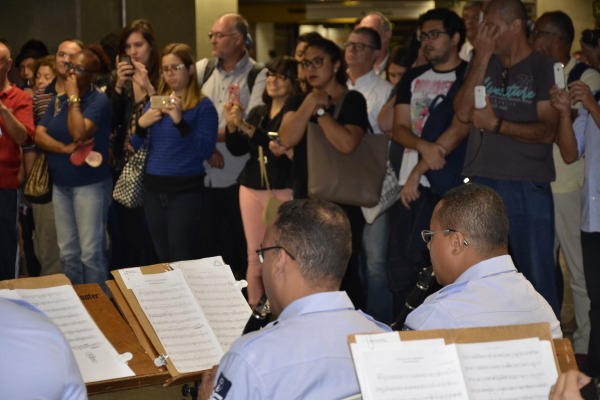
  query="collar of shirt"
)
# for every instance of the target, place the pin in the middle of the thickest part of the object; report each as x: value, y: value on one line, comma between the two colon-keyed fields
x: 239, y: 66
x: 10, y: 93
x: 318, y: 302
x: 381, y: 67
x: 485, y: 268
x: 362, y: 81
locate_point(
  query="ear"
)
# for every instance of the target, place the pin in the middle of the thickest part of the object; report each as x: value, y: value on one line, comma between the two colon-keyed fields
x: 337, y: 65
x: 192, y: 69
x: 458, y: 243
x: 456, y: 39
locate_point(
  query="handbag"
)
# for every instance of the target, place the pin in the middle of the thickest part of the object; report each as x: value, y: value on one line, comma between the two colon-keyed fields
x: 38, y: 188
x: 390, y: 193
x: 128, y: 190
x: 272, y: 203
x: 353, y: 179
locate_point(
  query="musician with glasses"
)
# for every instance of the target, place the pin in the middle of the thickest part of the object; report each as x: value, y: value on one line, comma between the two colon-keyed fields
x: 468, y: 243
x: 325, y: 72
x: 81, y: 193
x: 182, y: 135
x: 304, y: 353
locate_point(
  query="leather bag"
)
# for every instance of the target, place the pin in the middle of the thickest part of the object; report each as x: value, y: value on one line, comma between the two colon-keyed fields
x: 352, y: 179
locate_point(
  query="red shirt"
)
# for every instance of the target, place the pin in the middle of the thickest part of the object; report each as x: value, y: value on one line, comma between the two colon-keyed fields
x: 10, y: 152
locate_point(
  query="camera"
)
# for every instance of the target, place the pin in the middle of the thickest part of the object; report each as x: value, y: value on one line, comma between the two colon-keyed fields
x: 160, y: 102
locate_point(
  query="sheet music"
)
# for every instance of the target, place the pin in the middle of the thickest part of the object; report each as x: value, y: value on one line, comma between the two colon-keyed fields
x: 178, y: 320
x: 96, y: 357
x: 223, y: 304
x: 512, y: 369
x: 413, y: 372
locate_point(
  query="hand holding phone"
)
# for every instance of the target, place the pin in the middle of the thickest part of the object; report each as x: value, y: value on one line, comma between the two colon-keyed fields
x: 480, y: 97
x: 233, y: 93
x: 160, y: 102
x: 559, y: 75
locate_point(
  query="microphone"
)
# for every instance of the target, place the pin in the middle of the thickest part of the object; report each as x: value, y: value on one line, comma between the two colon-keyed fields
x: 258, y: 319
x: 426, y: 280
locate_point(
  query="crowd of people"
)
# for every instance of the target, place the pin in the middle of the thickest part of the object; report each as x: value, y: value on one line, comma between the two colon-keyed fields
x: 227, y: 141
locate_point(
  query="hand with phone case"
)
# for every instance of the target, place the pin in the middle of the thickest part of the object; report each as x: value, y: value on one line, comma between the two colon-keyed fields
x: 125, y: 71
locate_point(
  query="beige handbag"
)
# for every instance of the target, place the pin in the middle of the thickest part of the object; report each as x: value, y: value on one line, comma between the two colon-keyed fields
x: 272, y: 203
x: 38, y: 188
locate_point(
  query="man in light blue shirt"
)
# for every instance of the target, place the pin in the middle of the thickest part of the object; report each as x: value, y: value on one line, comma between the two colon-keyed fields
x: 304, y: 354
x: 574, y: 140
x: 37, y: 361
x: 468, y: 244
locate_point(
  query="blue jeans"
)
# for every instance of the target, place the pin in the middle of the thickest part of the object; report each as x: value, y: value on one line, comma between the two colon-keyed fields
x: 81, y: 214
x: 530, y: 211
x: 174, y: 223
x: 379, y: 295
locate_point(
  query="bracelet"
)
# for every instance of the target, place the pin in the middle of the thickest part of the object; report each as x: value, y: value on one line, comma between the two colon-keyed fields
x: 498, y: 126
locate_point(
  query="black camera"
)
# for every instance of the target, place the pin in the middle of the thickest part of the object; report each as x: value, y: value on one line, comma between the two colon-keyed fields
x: 590, y: 37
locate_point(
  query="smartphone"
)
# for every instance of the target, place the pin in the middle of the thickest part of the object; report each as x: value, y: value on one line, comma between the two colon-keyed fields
x: 480, y: 97
x: 233, y: 93
x: 160, y: 102
x: 273, y: 135
x: 559, y: 75
x: 125, y: 58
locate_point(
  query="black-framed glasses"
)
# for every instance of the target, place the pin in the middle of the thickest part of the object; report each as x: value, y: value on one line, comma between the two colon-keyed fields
x: 431, y: 35
x: 281, y: 77
x: 428, y: 235
x: 316, y: 63
x: 219, y: 35
x: 261, y: 252
x: 77, y: 68
x: 172, y: 68
x: 358, y: 46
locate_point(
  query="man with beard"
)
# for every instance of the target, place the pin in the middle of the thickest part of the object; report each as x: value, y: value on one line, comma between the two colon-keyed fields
x: 422, y: 92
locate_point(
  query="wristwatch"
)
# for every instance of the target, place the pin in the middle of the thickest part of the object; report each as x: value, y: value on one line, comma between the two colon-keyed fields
x: 74, y: 99
x: 320, y: 112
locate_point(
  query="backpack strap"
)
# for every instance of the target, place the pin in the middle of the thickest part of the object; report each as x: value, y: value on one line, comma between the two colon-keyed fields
x: 212, y: 64
x: 577, y: 72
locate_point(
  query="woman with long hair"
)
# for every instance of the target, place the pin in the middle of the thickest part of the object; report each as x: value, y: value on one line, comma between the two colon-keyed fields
x: 325, y: 72
x: 182, y: 134
x: 134, y: 80
x: 252, y: 136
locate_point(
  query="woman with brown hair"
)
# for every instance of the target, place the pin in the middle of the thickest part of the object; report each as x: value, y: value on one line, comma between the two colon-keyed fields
x: 182, y: 133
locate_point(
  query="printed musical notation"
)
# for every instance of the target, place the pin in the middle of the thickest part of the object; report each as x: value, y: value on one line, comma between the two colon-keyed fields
x: 96, y: 357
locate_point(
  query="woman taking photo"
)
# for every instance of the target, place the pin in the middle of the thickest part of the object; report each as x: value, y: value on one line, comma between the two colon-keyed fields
x: 326, y: 74
x: 181, y: 136
x: 80, y: 194
x: 252, y: 136
x: 135, y: 80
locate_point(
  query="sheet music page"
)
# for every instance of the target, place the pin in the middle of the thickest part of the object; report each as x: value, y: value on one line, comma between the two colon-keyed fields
x: 223, y: 304
x: 512, y: 369
x: 178, y: 320
x: 96, y: 357
x: 412, y: 371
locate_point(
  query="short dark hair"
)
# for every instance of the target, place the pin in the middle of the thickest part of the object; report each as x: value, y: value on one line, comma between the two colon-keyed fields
x: 373, y: 35
x: 452, y: 22
x: 333, y: 51
x: 309, y: 37
x: 563, y: 23
x: 479, y: 213
x: 401, y: 56
x: 287, y: 66
x: 509, y: 10
x: 318, y: 234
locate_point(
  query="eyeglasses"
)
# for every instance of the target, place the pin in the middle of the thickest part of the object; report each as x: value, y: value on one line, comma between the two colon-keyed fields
x: 536, y: 33
x: 428, y: 235
x: 174, y: 68
x: 316, y: 63
x: 358, y: 46
x: 219, y: 35
x: 62, y: 54
x: 431, y: 35
x: 281, y: 77
x: 77, y: 68
x: 261, y: 252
